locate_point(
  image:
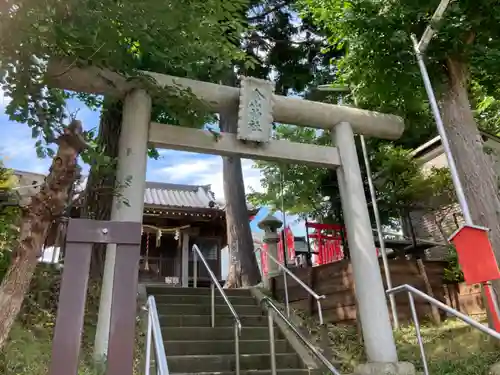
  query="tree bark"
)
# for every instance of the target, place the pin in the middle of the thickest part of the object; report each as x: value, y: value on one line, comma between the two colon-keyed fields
x: 436, y: 316
x: 36, y: 219
x: 243, y: 269
x: 475, y: 167
x: 101, y: 182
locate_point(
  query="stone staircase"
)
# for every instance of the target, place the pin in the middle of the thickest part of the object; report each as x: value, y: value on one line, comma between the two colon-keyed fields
x: 194, y: 347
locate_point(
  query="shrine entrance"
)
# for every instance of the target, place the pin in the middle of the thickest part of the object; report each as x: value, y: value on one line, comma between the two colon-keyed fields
x: 257, y: 107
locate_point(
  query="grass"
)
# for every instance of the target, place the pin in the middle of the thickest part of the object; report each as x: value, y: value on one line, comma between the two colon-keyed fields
x: 28, y: 350
x: 452, y: 348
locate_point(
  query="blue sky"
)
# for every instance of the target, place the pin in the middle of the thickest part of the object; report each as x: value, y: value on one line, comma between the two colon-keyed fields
x: 18, y: 152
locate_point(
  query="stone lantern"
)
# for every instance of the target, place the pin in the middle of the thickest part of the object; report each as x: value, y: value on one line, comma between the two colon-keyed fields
x: 270, y: 226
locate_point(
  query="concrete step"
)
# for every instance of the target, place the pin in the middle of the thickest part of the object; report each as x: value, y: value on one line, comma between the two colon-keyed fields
x: 205, y: 320
x: 251, y: 372
x: 160, y: 290
x: 217, y: 333
x: 174, y: 348
x: 202, y: 299
x: 218, y: 363
x: 201, y: 309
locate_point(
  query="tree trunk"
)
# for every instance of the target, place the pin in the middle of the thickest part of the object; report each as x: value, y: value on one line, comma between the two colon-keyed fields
x: 101, y: 183
x: 243, y: 269
x: 45, y: 207
x: 436, y: 316
x: 475, y: 167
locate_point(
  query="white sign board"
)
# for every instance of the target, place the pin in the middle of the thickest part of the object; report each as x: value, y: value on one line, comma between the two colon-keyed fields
x: 255, y: 116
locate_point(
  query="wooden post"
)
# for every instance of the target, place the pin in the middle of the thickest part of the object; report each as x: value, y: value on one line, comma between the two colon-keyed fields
x: 436, y: 316
x: 185, y: 259
x: 81, y: 235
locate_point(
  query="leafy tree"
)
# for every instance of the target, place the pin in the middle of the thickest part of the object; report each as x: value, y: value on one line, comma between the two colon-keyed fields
x: 36, y: 219
x: 288, y: 51
x: 381, y: 66
x: 194, y: 39
x: 124, y: 37
x: 9, y: 218
x: 313, y: 192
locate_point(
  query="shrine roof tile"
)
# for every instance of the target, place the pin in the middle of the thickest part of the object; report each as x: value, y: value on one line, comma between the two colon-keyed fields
x: 179, y: 195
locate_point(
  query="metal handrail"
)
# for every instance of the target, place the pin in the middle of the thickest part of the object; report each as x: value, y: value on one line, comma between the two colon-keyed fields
x: 315, y: 295
x: 237, y: 322
x: 155, y: 337
x: 272, y: 307
x: 411, y: 290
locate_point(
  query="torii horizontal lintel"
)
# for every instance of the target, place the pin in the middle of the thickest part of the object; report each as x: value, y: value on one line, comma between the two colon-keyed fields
x: 287, y: 110
x: 202, y: 141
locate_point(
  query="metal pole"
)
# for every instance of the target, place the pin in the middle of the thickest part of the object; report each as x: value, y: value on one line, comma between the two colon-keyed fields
x: 378, y: 223
x: 420, y: 48
x: 149, y: 339
x: 429, y: 30
x: 494, y: 301
x: 212, y: 298
x: 272, y: 348
x: 417, y: 330
x: 495, y: 298
x: 442, y: 133
x: 287, y: 304
x: 320, y: 312
x: 237, y: 346
x: 195, y: 270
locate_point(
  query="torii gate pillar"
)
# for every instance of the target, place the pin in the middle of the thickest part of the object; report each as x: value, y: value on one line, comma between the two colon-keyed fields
x: 129, y: 206
x: 370, y: 294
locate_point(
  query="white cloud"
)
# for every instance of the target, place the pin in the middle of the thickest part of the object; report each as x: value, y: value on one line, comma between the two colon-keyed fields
x: 202, y: 170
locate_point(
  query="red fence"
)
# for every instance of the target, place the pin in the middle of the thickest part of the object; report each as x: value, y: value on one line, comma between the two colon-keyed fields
x: 327, y: 241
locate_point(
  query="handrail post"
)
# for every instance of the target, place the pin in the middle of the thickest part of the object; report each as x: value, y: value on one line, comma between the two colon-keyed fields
x: 195, y: 269
x: 410, y: 290
x: 273, y: 309
x: 215, y: 284
x: 237, y: 346
x: 272, y: 348
x: 417, y: 330
x: 320, y: 312
x: 212, y: 301
x: 300, y: 282
x: 287, y: 303
x: 154, y: 342
x: 149, y: 340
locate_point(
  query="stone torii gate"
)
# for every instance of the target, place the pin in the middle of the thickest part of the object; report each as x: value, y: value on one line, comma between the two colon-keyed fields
x: 258, y: 107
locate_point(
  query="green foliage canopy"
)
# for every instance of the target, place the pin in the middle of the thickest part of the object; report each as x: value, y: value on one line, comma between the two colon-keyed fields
x: 380, y: 62
x: 9, y: 216
x: 379, y: 65
x: 399, y: 181
x: 181, y: 38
